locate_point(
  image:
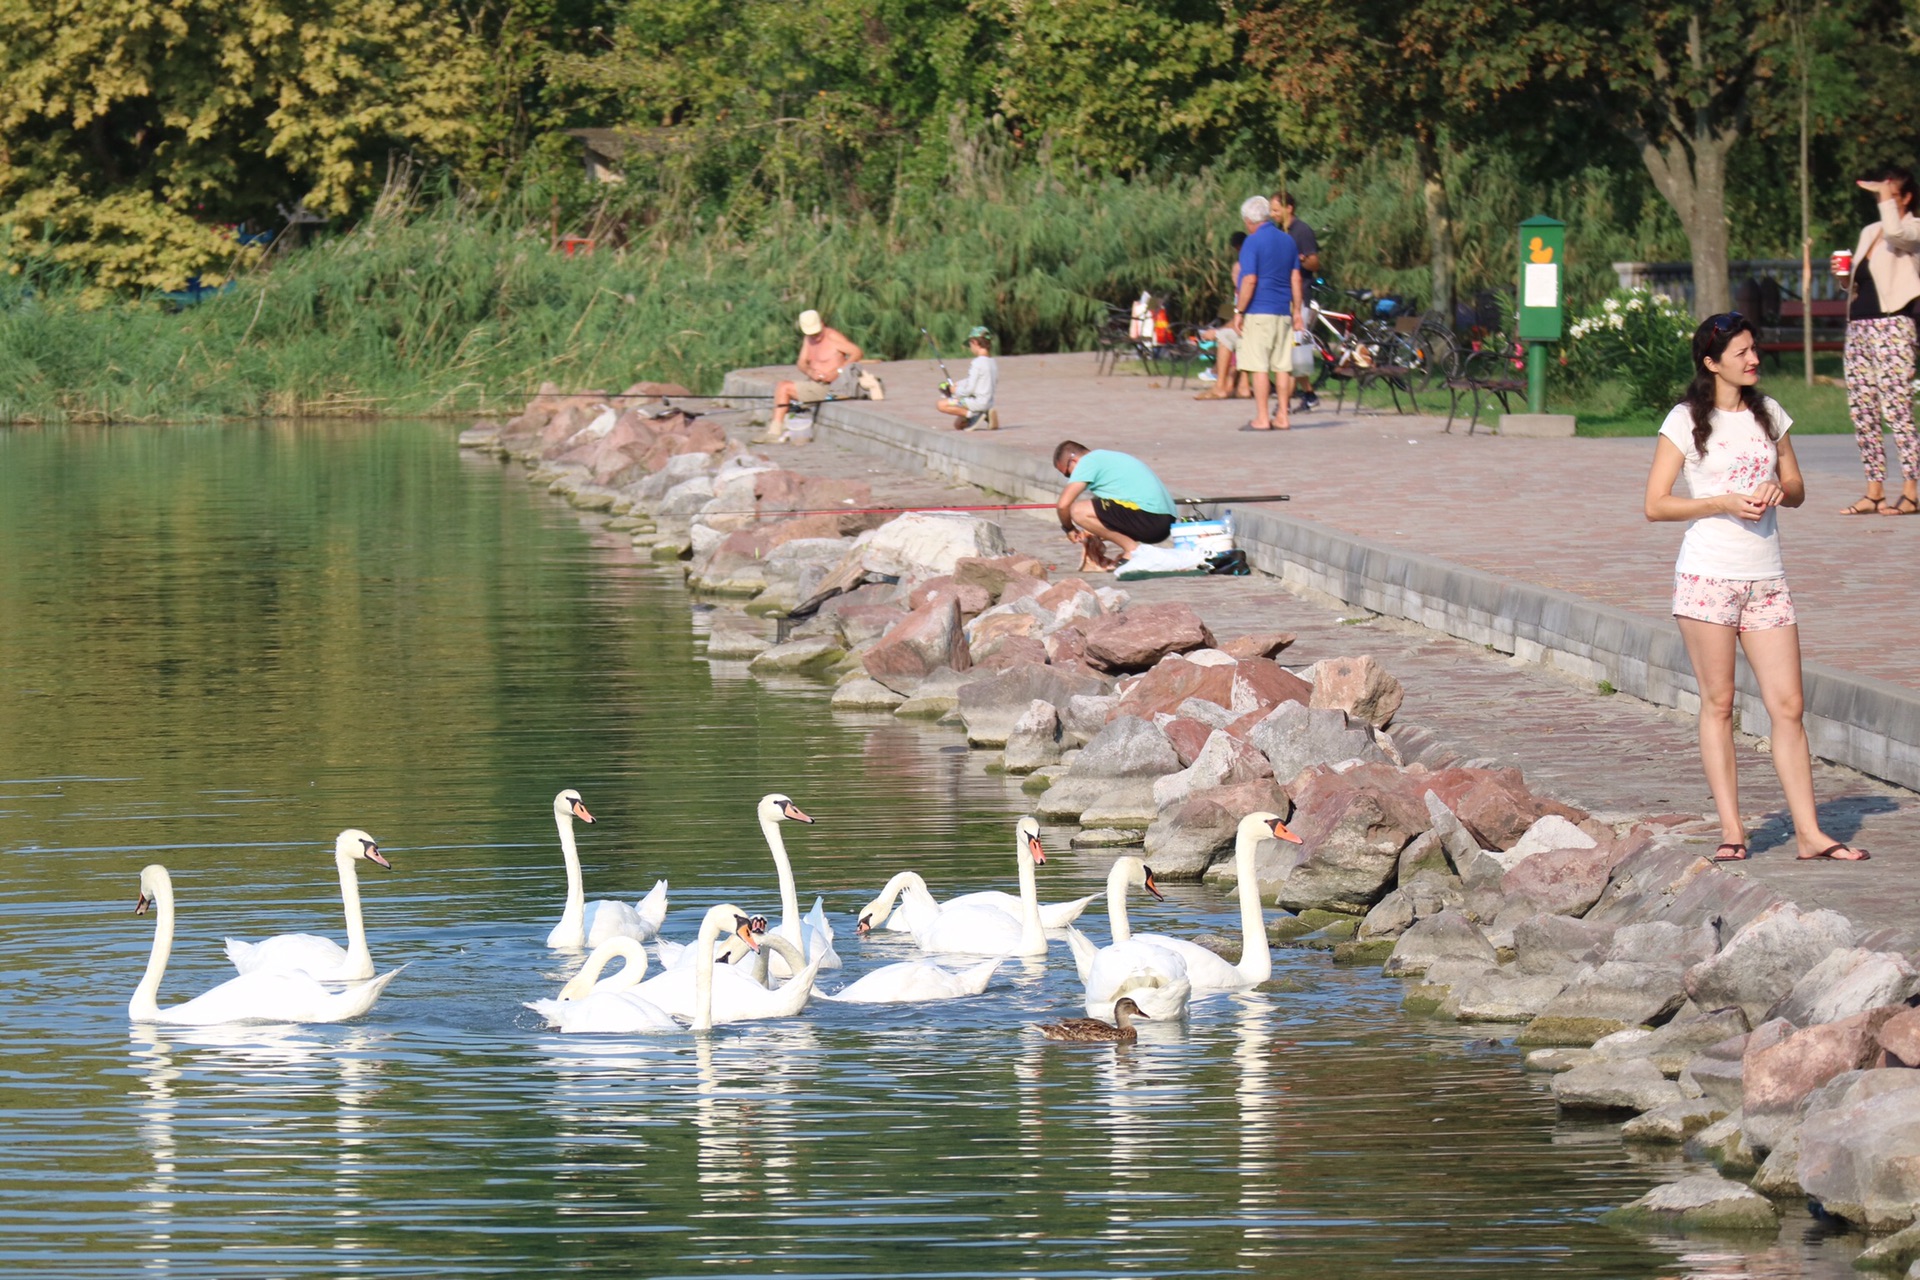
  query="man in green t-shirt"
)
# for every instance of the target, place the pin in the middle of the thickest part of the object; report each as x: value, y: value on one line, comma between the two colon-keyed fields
x: 1110, y: 497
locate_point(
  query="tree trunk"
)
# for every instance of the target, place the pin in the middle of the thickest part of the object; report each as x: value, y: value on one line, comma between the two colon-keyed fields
x: 1433, y: 186
x: 1691, y: 173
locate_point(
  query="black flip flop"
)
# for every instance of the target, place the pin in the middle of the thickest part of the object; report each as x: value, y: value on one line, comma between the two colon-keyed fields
x: 1739, y: 853
x: 1826, y: 854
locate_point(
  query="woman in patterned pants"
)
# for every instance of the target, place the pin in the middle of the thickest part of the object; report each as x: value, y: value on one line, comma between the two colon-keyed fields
x: 1881, y: 299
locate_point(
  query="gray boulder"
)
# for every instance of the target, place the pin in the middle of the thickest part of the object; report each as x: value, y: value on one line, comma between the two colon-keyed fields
x: 864, y: 694
x: 680, y: 468
x: 1425, y: 853
x: 815, y: 654
x: 1128, y: 747
x: 993, y: 705
x: 1455, y: 839
x: 1893, y: 1254
x: 1779, y: 1174
x: 1549, y: 832
x: 1674, y: 1121
x: 685, y: 499
x: 1603, y: 998
x: 1717, y: 1070
x: 1631, y: 1084
x: 1662, y: 942
x: 1501, y: 995
x: 1724, y: 1143
x: 1034, y: 741
x: 1187, y: 839
x: 1673, y: 1046
x: 1760, y: 964
x: 1555, y: 944
x: 1069, y: 798
x: 1294, y: 738
x: 1703, y: 1202
x: 1447, y: 936
x: 1390, y: 917
x: 934, y: 696
x: 1848, y: 981
x: 1084, y: 715
x: 1860, y: 1159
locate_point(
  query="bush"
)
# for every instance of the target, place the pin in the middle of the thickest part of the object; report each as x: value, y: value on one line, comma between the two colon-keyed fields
x: 1639, y: 339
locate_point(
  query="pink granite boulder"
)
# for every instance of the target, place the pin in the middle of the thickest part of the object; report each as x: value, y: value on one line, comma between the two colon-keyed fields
x: 1358, y: 686
x: 1136, y: 639
x: 923, y: 642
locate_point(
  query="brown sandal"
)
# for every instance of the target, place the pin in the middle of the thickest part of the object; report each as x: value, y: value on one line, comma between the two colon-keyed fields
x: 1872, y: 507
x: 1832, y: 853
x: 1904, y: 506
x: 1738, y: 854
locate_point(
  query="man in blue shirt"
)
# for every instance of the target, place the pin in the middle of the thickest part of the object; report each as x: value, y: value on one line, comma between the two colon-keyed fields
x: 1110, y: 497
x: 1268, y: 312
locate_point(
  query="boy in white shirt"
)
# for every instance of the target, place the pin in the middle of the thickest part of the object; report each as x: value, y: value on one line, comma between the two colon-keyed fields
x: 971, y: 402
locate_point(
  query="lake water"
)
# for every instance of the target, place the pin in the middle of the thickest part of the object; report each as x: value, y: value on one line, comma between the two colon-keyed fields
x: 220, y: 646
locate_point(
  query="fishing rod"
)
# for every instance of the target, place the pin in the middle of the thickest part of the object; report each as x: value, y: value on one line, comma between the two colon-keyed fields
x: 988, y: 506
x: 946, y: 379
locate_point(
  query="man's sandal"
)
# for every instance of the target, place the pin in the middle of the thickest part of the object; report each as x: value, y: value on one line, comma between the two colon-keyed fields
x: 1730, y: 852
x: 1904, y: 506
x: 1864, y: 506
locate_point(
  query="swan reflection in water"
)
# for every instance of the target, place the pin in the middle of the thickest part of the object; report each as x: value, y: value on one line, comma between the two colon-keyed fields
x: 281, y: 1067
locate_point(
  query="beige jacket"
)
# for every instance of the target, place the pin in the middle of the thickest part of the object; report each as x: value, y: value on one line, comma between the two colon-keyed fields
x: 1895, y: 243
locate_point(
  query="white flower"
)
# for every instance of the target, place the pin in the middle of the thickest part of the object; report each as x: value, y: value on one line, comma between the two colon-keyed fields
x: 1612, y: 304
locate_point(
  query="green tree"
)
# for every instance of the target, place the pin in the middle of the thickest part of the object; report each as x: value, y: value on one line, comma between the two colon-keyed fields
x: 133, y: 128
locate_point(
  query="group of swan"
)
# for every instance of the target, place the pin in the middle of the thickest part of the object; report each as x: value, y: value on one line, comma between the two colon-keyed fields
x: 307, y: 978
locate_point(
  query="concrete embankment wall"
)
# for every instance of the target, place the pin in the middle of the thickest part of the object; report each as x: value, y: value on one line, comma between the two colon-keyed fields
x: 1858, y: 721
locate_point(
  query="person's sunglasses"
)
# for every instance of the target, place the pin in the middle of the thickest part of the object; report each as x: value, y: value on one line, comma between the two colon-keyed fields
x: 1725, y: 321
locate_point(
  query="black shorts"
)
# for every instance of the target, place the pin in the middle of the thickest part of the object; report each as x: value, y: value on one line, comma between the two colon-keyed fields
x: 1141, y: 526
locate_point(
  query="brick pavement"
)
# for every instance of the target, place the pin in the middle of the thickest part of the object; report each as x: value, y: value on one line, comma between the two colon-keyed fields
x: 1614, y: 755
x: 1559, y: 513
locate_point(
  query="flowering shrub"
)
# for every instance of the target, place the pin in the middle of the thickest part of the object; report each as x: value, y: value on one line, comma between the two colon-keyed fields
x: 1638, y: 338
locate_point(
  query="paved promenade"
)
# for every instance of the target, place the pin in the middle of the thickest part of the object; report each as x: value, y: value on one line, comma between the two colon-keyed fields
x: 1559, y: 513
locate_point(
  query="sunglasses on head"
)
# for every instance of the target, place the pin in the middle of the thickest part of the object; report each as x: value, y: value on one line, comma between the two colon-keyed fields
x: 1725, y: 321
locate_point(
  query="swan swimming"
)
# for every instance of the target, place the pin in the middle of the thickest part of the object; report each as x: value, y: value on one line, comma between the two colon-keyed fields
x: 915, y: 982
x: 588, y: 924
x: 983, y: 930
x: 1155, y: 976
x: 591, y: 1004
x: 813, y: 935
x: 310, y: 953
x: 251, y: 997
x: 727, y: 994
x: 1208, y: 971
x: 1053, y: 915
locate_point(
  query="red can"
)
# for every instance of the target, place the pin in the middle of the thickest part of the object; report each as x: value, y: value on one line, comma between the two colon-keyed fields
x: 1842, y: 262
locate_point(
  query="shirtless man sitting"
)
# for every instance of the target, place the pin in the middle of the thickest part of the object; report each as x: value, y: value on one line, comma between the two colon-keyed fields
x: 826, y: 364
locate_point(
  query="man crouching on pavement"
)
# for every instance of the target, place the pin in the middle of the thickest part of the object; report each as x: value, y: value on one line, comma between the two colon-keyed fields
x: 1110, y: 497
x: 826, y: 364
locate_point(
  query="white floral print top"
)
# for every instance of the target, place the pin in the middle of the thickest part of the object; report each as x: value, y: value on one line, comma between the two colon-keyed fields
x: 1738, y: 458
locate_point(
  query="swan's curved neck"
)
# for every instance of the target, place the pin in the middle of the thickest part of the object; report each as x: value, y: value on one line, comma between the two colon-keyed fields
x: 1033, y: 935
x: 1117, y: 921
x: 357, y: 953
x: 769, y: 944
x: 889, y: 896
x: 588, y: 980
x: 703, y: 974
x: 1256, y: 958
x: 575, y: 912
x: 789, y: 895
x: 146, y: 996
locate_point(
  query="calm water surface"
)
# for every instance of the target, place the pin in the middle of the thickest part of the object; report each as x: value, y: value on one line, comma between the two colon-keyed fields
x: 219, y: 646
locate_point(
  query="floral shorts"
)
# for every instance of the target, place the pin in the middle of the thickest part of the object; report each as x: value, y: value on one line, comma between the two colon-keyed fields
x: 1758, y: 604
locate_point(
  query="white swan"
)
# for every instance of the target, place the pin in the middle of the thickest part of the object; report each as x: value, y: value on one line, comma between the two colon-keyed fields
x: 251, y: 997
x: 1155, y: 976
x: 1207, y: 970
x: 982, y: 930
x: 1053, y: 915
x: 310, y: 953
x: 588, y: 924
x: 728, y: 950
x: 711, y: 995
x: 591, y: 1004
x: 916, y: 982
x: 814, y: 936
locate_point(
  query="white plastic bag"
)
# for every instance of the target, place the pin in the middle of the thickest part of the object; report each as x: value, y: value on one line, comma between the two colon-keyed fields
x: 1161, y: 561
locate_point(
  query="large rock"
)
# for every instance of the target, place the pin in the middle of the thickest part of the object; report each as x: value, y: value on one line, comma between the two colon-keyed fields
x: 1627, y: 1084
x: 1461, y: 846
x: 1565, y: 881
x: 1607, y: 997
x: 1549, y: 832
x: 1670, y: 880
x: 1259, y: 644
x: 1259, y: 686
x: 1174, y: 680
x: 1674, y: 1121
x: 1555, y: 944
x: 972, y: 600
x: 1069, y: 799
x: 1188, y: 838
x: 1848, y: 981
x: 1138, y: 638
x: 1717, y: 1069
x: 1900, y: 1037
x: 1125, y: 748
x: 993, y: 574
x: 1358, y: 686
x: 815, y: 654
x: 865, y: 695
x: 1676, y: 1044
x: 1760, y: 964
x: 923, y: 642
x: 990, y: 706
x: 1035, y: 740
x: 1352, y: 826
x: 1702, y: 1202
x: 1777, y: 1078
x: 925, y: 544
x: 1501, y: 995
x: 1446, y: 936
x: 1224, y: 760
x: 1494, y: 804
x: 1725, y: 1146
x: 1295, y: 738
x: 1860, y: 1159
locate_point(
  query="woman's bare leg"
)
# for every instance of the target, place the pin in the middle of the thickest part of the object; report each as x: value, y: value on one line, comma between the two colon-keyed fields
x: 1774, y: 655
x: 1710, y: 648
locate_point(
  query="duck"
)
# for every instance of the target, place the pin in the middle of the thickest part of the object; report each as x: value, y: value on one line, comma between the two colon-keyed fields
x: 266, y: 996
x: 586, y: 924
x: 1093, y: 1030
x: 1053, y: 915
x: 1154, y: 976
x: 309, y: 953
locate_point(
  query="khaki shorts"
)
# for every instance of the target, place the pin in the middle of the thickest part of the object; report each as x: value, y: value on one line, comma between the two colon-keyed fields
x: 1266, y: 344
x: 807, y: 391
x: 1226, y: 339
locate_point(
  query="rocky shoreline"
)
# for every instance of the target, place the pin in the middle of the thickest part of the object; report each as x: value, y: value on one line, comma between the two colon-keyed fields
x: 1776, y: 1043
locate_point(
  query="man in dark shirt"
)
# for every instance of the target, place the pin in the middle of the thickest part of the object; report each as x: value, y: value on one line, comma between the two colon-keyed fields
x: 1309, y: 245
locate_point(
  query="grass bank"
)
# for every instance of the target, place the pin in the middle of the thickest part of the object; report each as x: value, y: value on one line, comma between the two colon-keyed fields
x: 1820, y: 409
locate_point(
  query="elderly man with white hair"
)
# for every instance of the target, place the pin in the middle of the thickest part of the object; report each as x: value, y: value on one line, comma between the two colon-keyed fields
x: 1268, y: 312
x: 826, y: 365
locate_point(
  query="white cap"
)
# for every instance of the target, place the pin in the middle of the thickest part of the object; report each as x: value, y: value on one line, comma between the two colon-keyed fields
x: 810, y: 323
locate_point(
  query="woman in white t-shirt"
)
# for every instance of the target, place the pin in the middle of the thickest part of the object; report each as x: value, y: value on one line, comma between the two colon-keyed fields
x: 1729, y: 584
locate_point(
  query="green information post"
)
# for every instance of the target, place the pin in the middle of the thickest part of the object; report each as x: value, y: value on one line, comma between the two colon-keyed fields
x: 1543, y: 245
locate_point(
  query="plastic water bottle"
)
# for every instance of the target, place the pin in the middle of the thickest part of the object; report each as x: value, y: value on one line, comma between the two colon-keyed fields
x: 1226, y: 522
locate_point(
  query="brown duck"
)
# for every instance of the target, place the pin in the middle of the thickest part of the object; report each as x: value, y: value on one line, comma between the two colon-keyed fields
x: 1094, y: 1031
